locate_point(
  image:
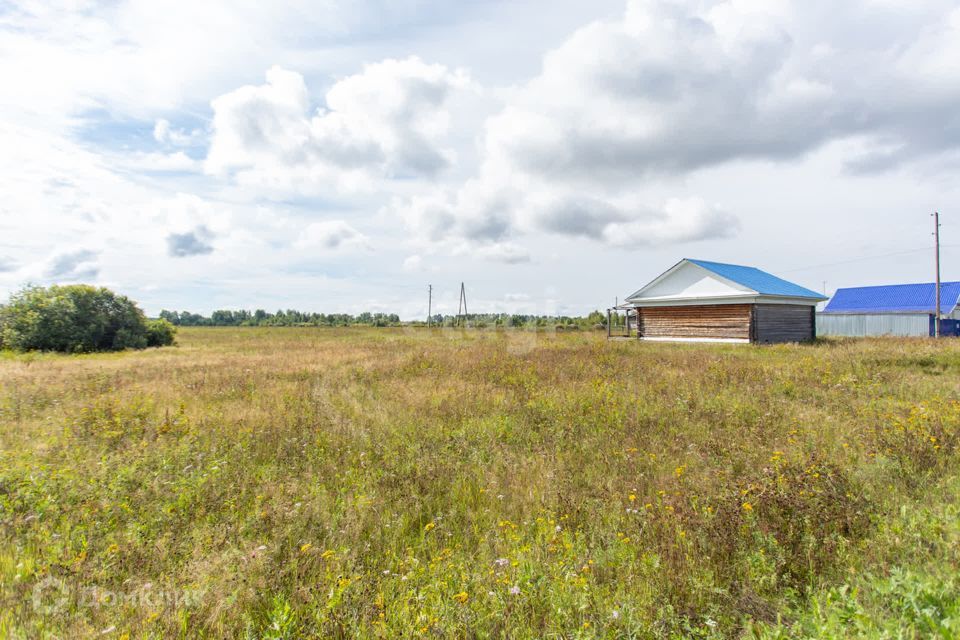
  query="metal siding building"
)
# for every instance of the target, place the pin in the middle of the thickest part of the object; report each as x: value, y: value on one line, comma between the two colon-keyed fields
x: 893, y: 310
x: 881, y: 324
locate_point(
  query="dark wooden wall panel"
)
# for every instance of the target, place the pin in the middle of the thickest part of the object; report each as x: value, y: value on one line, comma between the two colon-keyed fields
x: 784, y: 323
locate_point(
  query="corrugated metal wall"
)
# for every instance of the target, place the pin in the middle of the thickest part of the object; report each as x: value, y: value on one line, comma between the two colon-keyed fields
x: 854, y: 325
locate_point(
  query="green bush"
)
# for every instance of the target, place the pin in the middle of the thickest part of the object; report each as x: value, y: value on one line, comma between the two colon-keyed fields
x: 160, y: 333
x: 77, y: 319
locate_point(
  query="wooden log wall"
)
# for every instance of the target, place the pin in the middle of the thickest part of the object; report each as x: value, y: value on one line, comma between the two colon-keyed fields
x: 784, y: 323
x: 723, y: 321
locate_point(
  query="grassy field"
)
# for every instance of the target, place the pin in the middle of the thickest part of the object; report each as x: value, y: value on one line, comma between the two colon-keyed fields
x: 287, y: 483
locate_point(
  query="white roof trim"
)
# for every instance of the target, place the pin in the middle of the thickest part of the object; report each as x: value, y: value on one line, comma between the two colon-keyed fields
x: 638, y: 295
x: 754, y: 298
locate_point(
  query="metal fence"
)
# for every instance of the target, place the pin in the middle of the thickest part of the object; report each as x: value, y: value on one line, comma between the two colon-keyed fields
x: 893, y: 324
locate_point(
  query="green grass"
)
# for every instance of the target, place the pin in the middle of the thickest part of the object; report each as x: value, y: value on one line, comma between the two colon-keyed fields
x: 287, y: 483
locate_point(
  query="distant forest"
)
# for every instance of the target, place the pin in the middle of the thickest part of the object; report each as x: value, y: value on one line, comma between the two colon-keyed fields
x: 293, y: 318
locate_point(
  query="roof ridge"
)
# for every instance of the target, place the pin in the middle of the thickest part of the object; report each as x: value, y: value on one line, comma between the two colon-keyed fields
x: 902, y: 284
x: 726, y: 264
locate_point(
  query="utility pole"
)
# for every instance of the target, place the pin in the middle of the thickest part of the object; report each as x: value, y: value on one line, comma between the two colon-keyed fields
x: 462, y: 307
x: 936, y: 236
x: 429, y: 304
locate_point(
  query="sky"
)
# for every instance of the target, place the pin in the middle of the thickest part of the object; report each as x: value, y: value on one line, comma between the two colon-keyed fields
x: 338, y: 156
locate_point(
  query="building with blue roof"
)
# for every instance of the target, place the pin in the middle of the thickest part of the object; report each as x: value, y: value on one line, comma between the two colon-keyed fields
x: 700, y: 300
x: 895, y: 310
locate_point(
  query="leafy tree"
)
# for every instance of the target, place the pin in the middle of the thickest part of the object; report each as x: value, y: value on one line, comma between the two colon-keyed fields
x: 596, y: 317
x: 75, y: 319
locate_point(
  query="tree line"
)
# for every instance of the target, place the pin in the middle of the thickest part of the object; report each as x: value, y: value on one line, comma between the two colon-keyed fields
x: 294, y: 318
x: 282, y: 318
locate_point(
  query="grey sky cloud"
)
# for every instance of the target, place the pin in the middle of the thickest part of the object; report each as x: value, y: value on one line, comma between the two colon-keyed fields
x: 505, y: 252
x: 678, y: 221
x: 191, y: 243
x: 7, y: 264
x: 73, y: 265
x: 331, y: 235
x: 579, y: 216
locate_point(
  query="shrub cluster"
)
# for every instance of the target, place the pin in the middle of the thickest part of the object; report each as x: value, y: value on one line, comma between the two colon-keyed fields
x: 78, y: 319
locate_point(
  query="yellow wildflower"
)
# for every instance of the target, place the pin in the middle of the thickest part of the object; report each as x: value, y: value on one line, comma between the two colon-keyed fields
x: 461, y: 597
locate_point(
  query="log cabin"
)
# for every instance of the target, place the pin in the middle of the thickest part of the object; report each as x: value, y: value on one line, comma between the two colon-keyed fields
x: 701, y: 301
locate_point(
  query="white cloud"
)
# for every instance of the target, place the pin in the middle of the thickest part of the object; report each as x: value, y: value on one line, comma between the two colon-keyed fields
x: 672, y: 87
x: 413, y: 263
x: 161, y: 130
x: 141, y: 58
x: 184, y: 212
x: 164, y: 133
x: 159, y: 162
x: 388, y: 121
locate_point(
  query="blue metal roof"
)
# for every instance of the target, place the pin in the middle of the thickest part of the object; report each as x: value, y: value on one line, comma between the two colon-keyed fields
x: 896, y: 298
x: 760, y: 281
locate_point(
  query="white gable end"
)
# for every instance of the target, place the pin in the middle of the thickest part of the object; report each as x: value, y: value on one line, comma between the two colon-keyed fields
x: 689, y: 281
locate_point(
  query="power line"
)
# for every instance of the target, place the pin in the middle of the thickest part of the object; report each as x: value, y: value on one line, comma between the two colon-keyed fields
x: 864, y: 259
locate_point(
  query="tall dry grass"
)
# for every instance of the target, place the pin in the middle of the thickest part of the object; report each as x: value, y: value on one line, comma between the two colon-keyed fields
x: 391, y: 483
